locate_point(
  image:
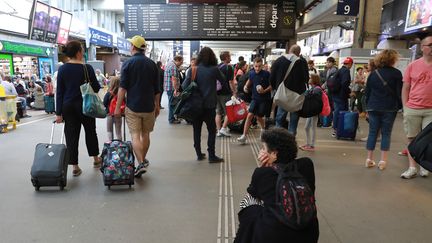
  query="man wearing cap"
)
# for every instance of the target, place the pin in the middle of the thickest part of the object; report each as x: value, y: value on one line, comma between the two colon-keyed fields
x: 140, y: 80
x: 340, y: 97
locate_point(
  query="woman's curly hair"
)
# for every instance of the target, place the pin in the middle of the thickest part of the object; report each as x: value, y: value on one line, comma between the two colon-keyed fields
x: 281, y: 141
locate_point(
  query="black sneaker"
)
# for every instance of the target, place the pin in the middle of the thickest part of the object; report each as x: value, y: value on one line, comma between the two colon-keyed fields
x: 141, y: 169
x: 201, y: 157
x: 215, y: 159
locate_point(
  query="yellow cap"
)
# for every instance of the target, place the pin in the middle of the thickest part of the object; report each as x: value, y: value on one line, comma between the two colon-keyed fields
x: 138, y: 42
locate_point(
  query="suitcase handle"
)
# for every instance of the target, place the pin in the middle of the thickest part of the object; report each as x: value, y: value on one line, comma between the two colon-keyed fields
x: 124, y: 129
x: 52, y: 133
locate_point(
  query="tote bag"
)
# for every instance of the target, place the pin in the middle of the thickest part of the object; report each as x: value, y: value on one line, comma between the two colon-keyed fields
x: 92, y: 105
x: 287, y: 99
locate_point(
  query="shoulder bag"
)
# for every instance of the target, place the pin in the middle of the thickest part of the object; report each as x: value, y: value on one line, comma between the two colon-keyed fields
x: 92, y: 105
x: 392, y: 92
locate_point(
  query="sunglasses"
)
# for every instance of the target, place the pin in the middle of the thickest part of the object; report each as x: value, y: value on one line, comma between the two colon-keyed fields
x: 428, y: 45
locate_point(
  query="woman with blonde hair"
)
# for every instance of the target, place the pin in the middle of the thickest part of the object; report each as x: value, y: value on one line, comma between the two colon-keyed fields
x: 383, y: 100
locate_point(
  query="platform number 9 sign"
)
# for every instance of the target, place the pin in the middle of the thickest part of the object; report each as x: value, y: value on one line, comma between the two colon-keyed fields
x: 348, y: 7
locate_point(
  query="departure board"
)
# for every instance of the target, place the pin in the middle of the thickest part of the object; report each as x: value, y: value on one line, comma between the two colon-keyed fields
x: 190, y: 21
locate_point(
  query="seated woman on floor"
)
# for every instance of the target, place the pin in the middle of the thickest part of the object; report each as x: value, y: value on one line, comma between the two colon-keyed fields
x: 259, y: 218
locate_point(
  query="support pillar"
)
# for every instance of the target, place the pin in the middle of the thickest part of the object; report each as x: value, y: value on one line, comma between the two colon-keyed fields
x: 368, y: 24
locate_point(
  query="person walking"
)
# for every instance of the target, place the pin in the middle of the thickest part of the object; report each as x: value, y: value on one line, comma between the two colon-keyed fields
x: 172, y: 86
x: 110, y: 105
x: 225, y: 89
x: 139, y: 79
x: 161, y: 83
x: 69, y: 104
x: 207, y: 73
x: 417, y: 100
x: 383, y: 93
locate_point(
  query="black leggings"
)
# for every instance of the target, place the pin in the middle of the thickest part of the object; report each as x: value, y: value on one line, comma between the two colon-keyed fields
x: 73, y: 117
x: 208, y: 117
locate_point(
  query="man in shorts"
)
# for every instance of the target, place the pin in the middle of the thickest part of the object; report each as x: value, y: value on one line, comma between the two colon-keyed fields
x: 417, y: 100
x: 224, y: 92
x: 140, y: 80
x: 259, y: 85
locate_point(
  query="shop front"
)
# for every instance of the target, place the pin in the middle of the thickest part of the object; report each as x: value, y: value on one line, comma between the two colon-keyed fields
x: 25, y: 60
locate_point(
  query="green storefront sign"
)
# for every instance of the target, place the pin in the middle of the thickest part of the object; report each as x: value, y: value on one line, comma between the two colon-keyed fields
x: 24, y: 49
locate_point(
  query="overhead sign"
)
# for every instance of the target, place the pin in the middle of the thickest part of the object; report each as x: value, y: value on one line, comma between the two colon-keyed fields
x: 24, y: 49
x: 15, y: 15
x: 53, y: 25
x: 65, y: 23
x: 193, y: 21
x: 348, y: 7
x: 123, y: 44
x: 100, y: 38
x: 40, y: 19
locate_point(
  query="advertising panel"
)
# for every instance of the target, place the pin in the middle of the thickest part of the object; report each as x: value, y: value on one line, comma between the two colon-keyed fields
x: 65, y: 23
x: 419, y: 14
x: 40, y: 20
x: 53, y: 25
x: 45, y: 66
x: 16, y: 12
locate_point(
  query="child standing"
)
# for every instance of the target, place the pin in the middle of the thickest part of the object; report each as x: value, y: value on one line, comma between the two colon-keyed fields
x: 261, y: 99
x: 110, y: 102
x: 311, y: 122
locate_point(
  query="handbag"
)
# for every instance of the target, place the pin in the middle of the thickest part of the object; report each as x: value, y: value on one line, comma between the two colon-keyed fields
x: 287, y: 99
x: 92, y: 105
x: 190, y: 106
x: 236, y: 110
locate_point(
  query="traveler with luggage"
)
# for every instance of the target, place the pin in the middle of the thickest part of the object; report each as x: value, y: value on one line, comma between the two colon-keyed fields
x: 69, y: 104
x: 206, y: 75
x: 49, y: 96
x: 262, y: 216
x: 139, y: 80
x: 259, y: 85
x: 172, y: 86
x: 338, y: 87
x: 110, y: 103
x: 417, y: 100
x: 383, y: 100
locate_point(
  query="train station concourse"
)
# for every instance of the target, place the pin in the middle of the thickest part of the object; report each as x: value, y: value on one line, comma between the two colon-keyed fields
x: 216, y: 121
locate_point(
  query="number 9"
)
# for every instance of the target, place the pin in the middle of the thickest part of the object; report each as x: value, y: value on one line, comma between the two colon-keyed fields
x: 347, y: 9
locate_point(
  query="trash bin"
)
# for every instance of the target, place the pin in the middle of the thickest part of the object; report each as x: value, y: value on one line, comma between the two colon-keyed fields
x: 11, y: 110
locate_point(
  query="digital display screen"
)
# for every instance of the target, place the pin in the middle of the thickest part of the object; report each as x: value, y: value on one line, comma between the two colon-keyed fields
x: 40, y: 20
x: 65, y: 23
x: 419, y: 14
x: 53, y: 25
x: 16, y: 12
x: 194, y: 21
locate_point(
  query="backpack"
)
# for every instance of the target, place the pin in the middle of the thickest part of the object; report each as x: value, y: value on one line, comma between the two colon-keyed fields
x: 326, y: 110
x: 113, y: 104
x: 295, y: 201
x: 334, y: 83
x: 312, y: 104
x: 421, y: 148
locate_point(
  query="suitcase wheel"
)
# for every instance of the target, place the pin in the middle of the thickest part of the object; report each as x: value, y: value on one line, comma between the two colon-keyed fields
x: 109, y: 187
x: 130, y: 186
x: 37, y: 188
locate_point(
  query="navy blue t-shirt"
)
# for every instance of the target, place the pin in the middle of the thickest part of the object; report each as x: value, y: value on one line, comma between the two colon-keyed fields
x: 140, y: 78
x: 262, y: 78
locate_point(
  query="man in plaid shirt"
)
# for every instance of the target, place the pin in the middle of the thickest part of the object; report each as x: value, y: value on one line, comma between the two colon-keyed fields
x: 172, y: 85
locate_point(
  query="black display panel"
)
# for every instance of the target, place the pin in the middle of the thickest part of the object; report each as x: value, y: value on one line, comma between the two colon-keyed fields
x: 191, y: 21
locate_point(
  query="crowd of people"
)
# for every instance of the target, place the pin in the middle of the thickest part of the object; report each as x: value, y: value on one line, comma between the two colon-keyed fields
x: 377, y: 91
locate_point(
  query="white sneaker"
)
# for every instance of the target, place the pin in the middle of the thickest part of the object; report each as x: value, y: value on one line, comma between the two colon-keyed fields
x: 242, y: 139
x: 225, y: 132
x: 423, y: 172
x: 218, y: 134
x: 410, y: 173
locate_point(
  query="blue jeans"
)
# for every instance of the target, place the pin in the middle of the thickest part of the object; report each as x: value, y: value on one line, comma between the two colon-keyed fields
x: 380, y: 121
x: 293, y: 122
x: 171, y: 117
x: 339, y: 105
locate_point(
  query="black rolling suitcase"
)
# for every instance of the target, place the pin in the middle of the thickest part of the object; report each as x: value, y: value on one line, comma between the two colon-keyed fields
x: 118, y: 162
x: 50, y: 164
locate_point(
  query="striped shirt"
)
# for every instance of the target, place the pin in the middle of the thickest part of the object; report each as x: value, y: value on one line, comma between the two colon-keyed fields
x: 170, y: 70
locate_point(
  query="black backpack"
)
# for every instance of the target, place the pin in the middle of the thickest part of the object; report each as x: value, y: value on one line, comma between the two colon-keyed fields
x: 312, y: 105
x: 334, y: 83
x: 421, y: 148
x: 295, y: 200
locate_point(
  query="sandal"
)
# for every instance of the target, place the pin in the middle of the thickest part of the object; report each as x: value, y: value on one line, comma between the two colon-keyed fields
x: 97, y: 164
x: 382, y: 165
x: 77, y: 172
x: 369, y: 163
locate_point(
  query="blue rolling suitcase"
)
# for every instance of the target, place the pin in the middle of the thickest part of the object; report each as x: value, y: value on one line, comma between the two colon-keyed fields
x: 347, y: 125
x: 49, y: 104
